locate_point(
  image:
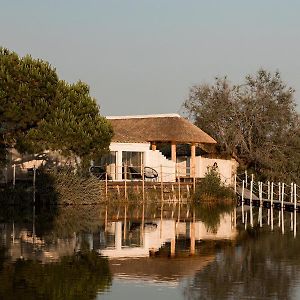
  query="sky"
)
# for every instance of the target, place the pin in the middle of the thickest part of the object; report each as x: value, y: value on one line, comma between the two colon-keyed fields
x: 143, y: 56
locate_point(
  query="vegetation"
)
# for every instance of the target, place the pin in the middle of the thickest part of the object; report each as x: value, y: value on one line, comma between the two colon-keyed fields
x: 211, y: 189
x: 38, y: 111
x: 256, y: 122
x: 80, y: 276
x: 210, y: 214
x: 67, y: 187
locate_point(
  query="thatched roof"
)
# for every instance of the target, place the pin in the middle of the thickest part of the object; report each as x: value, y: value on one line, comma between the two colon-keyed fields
x: 157, y: 128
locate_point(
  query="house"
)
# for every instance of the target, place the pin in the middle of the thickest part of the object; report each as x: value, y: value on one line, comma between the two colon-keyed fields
x: 167, y: 143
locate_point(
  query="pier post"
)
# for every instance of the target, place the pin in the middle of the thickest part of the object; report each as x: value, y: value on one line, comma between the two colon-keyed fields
x: 34, y: 176
x: 260, y: 203
x: 295, y: 209
x: 292, y: 195
x: 272, y: 196
x: 282, y: 221
x: 246, y: 178
x: 14, y: 175
x: 243, y: 193
x: 251, y: 208
x: 282, y: 195
x: 268, y: 201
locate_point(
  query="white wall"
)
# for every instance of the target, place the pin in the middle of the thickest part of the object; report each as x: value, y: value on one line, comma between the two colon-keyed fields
x: 226, y: 168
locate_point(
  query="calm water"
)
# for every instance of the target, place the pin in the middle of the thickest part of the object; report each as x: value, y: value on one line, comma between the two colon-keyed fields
x: 151, y: 251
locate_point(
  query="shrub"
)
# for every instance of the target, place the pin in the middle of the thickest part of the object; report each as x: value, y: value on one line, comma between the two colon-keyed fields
x: 210, y: 188
x: 68, y: 187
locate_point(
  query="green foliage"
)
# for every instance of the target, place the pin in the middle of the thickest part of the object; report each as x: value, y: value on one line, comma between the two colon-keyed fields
x: 255, y: 121
x: 67, y: 187
x: 40, y: 112
x: 211, y: 189
x: 80, y: 276
x: 210, y: 214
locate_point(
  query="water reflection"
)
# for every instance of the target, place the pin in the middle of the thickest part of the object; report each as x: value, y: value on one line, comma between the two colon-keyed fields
x: 206, y: 252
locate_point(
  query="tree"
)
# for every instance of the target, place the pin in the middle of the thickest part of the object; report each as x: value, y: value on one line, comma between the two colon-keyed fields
x: 27, y: 87
x: 40, y: 112
x: 255, y: 121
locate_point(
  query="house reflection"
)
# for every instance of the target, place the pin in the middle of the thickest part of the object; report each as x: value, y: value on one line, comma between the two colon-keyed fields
x: 144, y: 239
x: 117, y: 239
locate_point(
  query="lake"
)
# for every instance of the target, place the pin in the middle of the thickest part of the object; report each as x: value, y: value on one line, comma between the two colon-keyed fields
x: 150, y: 250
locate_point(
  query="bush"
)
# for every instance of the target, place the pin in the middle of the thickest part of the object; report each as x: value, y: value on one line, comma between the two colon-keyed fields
x: 211, y: 189
x: 67, y: 187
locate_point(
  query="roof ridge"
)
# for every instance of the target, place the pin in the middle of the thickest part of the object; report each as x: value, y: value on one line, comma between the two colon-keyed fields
x: 172, y: 115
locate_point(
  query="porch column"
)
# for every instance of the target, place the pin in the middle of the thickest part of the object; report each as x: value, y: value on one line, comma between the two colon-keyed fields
x: 119, y: 165
x: 173, y: 151
x: 193, y: 160
x: 192, y: 238
x: 153, y: 146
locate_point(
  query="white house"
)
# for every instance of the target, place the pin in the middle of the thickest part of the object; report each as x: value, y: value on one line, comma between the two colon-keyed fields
x: 167, y: 143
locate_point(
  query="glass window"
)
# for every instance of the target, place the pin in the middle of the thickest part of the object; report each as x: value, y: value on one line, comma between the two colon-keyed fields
x: 133, y: 161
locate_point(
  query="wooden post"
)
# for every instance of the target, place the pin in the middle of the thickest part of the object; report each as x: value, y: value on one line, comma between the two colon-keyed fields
x: 179, y: 192
x: 125, y: 222
x: 251, y: 208
x: 192, y: 237
x: 161, y: 183
x: 106, y: 185
x: 243, y: 193
x: 246, y: 178
x: 143, y: 182
x: 260, y: 193
x: 268, y: 200
x: 279, y: 191
x: 282, y: 221
x: 188, y: 190
x: 105, y: 222
x: 260, y: 216
x: 194, y: 184
x: 292, y: 195
x: 34, y: 176
x: 282, y: 195
x: 295, y: 209
x: 272, y: 196
x: 173, y: 247
x: 125, y: 181
x: 295, y: 196
x: 260, y: 203
x: 14, y: 175
x: 235, y: 183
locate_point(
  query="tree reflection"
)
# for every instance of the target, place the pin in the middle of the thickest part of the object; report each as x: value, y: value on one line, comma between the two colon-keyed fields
x: 210, y: 214
x: 80, y: 276
x: 261, y: 265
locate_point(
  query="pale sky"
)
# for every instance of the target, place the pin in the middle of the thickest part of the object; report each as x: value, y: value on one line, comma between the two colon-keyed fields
x: 142, y: 56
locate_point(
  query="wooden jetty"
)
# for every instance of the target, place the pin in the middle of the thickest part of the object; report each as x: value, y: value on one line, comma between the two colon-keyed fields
x: 248, y: 197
